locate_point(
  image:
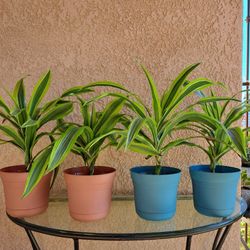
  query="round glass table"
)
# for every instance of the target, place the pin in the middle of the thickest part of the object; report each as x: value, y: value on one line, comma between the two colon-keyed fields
x: 122, y: 223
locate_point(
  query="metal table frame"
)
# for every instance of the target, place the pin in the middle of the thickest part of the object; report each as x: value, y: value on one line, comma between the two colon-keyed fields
x: 222, y: 232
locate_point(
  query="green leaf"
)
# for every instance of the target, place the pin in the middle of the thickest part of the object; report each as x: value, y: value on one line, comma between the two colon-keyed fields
x: 10, y: 119
x: 133, y: 130
x: 143, y: 149
x: 49, y: 105
x: 11, y: 133
x: 191, y: 87
x: 85, y: 115
x: 37, y: 170
x: 106, y: 84
x: 4, y: 105
x: 56, y: 112
x: 220, y: 136
x: 30, y: 136
x: 136, y: 106
x: 189, y: 117
x: 96, y: 140
x: 93, y: 117
x: 239, y: 140
x: 38, y: 93
x: 113, y: 108
x: 19, y: 94
x: 30, y: 123
x: 76, y: 91
x: 216, y: 99
x: 235, y: 114
x: 87, y: 134
x: 155, y: 96
x: 200, y: 118
x: 63, y: 146
x: 174, y: 144
x: 170, y: 94
x: 151, y: 124
x: 110, y: 123
x: 88, y: 88
x: 55, y: 173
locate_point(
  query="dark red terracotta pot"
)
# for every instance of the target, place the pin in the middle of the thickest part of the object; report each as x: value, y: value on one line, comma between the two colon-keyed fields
x: 89, y: 195
x: 13, y: 179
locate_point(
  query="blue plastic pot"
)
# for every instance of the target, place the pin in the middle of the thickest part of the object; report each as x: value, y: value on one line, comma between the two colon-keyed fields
x: 155, y: 195
x: 214, y: 193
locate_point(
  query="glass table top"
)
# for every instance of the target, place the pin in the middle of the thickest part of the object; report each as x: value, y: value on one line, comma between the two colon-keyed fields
x: 123, y: 222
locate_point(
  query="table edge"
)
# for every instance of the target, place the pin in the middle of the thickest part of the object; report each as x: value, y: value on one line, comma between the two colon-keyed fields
x: 129, y: 236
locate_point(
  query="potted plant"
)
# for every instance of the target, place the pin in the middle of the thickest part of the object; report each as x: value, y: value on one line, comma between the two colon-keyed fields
x: 89, y: 187
x: 151, y: 133
x: 21, y: 126
x: 215, y: 185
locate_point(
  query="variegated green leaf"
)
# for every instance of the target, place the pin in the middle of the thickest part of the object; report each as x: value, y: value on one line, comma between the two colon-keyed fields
x: 76, y: 91
x: 113, y: 108
x: 30, y: 136
x: 151, y: 124
x: 174, y: 144
x: 190, y: 88
x: 143, y: 149
x: 30, y: 123
x: 216, y: 99
x: 88, y: 88
x: 106, y: 84
x: 19, y: 94
x: 87, y: 134
x: 235, y: 114
x: 156, y: 102
x: 133, y: 130
x: 56, y: 112
x: 171, y: 93
x: 4, y: 105
x: 238, y: 138
x: 63, y: 146
x: 11, y: 133
x: 37, y: 170
x: 38, y: 93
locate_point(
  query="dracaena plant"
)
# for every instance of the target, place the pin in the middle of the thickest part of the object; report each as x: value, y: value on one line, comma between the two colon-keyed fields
x: 23, y: 120
x: 89, y: 138
x: 43, y: 162
x: 150, y: 132
x: 219, y: 131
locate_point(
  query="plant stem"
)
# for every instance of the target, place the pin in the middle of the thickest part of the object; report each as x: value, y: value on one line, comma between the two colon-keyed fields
x: 157, y: 170
x: 213, y: 165
x: 92, y: 167
x: 91, y: 170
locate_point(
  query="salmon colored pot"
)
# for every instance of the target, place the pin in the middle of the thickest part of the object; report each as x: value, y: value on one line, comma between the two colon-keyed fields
x: 89, y: 195
x: 13, y: 179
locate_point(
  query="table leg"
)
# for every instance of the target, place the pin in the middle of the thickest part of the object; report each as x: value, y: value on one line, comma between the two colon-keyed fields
x: 32, y: 239
x: 219, y: 240
x: 76, y: 244
x: 188, y: 242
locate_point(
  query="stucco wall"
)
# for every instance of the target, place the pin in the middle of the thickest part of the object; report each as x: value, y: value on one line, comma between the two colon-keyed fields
x: 83, y: 41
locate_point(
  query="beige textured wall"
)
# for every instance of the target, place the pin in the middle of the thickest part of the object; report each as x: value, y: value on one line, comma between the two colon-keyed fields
x: 83, y: 41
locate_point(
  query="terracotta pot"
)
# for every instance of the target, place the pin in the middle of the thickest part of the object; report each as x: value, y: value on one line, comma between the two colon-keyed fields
x: 89, y: 195
x: 36, y: 202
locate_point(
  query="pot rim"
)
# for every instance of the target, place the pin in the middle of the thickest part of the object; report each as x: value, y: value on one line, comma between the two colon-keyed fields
x: 177, y: 170
x: 68, y: 171
x: 10, y: 169
x: 234, y: 169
